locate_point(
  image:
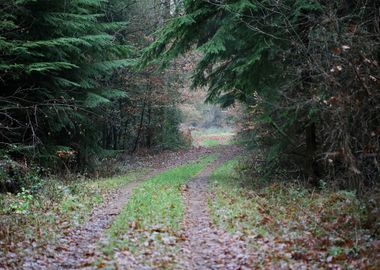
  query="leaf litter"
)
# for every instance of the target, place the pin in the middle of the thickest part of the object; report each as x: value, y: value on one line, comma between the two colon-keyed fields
x: 297, y: 238
x: 74, y: 245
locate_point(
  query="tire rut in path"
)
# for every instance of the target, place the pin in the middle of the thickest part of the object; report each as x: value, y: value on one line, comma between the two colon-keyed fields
x: 206, y: 246
x: 77, y: 248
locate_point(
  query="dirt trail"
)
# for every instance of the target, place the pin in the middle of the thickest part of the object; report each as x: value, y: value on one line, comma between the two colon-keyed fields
x: 77, y: 248
x: 206, y: 246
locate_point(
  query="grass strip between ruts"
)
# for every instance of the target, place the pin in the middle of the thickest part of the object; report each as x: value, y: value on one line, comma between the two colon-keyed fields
x: 149, y: 225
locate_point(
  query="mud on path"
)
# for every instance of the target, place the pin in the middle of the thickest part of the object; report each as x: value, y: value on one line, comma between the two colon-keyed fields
x: 77, y: 248
x: 206, y: 246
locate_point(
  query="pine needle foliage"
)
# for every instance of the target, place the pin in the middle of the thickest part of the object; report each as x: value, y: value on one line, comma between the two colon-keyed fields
x: 298, y: 65
x: 240, y: 42
x: 55, y: 57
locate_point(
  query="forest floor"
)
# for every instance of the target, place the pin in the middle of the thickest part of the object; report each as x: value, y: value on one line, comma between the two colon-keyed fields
x: 188, y: 210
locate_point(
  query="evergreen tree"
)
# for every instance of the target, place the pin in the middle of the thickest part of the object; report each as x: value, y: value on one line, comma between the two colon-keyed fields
x: 148, y: 117
x: 55, y: 59
x: 285, y: 59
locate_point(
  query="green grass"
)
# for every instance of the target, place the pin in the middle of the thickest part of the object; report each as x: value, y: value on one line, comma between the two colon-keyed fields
x: 109, y: 183
x: 213, y: 137
x: 210, y: 143
x: 229, y: 209
x: 213, y: 132
x: 291, y: 214
x: 82, y: 196
x: 151, y: 221
x: 214, y: 143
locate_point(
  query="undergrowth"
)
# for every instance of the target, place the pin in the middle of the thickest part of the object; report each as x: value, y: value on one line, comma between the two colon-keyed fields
x: 287, y: 225
x: 148, y: 227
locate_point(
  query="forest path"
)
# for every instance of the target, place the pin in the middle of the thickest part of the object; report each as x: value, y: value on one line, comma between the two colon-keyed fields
x: 76, y: 249
x: 207, y: 247
x: 79, y: 244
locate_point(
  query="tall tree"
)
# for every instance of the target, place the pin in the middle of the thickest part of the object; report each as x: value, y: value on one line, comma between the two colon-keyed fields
x: 148, y: 117
x: 55, y: 58
x: 297, y: 65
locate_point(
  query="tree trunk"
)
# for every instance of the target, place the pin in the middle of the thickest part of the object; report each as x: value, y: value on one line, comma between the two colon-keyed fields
x: 311, y: 147
x: 140, y: 128
x: 115, y: 133
x: 149, y: 131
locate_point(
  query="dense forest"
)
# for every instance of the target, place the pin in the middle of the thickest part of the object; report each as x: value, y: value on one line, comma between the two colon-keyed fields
x: 307, y: 71
x: 71, y: 94
x: 264, y: 114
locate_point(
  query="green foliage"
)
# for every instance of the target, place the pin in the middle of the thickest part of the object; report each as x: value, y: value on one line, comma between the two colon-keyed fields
x: 148, y: 117
x: 22, y: 203
x: 56, y: 56
x: 170, y: 136
x: 14, y: 176
x: 70, y: 92
x: 291, y: 63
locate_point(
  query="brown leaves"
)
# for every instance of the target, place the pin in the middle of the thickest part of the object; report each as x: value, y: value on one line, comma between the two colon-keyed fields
x: 336, y: 50
x: 101, y: 265
x: 134, y: 225
x: 154, y: 246
x: 66, y: 154
x: 300, y: 256
x: 339, y: 50
x: 303, y: 230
